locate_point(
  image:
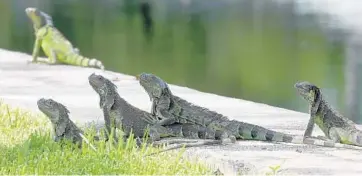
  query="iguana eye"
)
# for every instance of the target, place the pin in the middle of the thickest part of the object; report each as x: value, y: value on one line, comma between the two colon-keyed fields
x: 143, y: 76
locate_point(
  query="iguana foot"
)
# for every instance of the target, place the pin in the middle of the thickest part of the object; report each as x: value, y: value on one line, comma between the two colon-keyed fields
x: 232, y: 138
x: 322, y: 138
x: 31, y: 62
x: 225, y: 137
x: 311, y: 140
x: 228, y: 140
x: 42, y: 62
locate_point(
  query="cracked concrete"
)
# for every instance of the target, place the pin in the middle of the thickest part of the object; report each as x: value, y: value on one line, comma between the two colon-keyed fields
x: 22, y: 85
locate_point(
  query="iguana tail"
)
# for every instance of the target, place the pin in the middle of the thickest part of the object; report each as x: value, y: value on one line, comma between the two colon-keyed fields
x: 247, y: 131
x: 79, y: 60
x: 187, y: 145
x: 255, y: 132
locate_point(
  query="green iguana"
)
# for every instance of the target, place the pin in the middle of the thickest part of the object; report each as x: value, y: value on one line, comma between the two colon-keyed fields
x: 55, y: 46
x: 118, y: 113
x: 335, y: 126
x: 170, y: 108
x: 63, y: 127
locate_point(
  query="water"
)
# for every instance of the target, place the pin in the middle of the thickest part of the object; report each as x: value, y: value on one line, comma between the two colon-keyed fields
x: 254, y: 50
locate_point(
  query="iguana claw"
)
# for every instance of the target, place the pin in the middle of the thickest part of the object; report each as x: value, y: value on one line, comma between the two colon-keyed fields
x: 322, y: 138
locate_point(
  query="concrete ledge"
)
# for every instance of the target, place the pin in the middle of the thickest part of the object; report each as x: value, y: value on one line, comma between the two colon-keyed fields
x: 22, y: 85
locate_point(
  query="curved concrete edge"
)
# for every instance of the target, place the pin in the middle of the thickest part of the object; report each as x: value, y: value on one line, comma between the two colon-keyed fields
x: 22, y: 84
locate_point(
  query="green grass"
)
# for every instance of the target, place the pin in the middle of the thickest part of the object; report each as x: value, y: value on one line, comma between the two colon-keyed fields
x: 27, y: 148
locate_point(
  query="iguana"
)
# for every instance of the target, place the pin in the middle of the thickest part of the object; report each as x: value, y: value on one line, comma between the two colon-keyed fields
x: 55, y: 46
x: 171, y: 108
x: 335, y: 126
x: 63, y: 127
x: 118, y: 113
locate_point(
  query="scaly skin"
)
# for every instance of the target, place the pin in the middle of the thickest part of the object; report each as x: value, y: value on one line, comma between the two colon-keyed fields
x: 118, y: 113
x: 335, y: 127
x: 55, y: 46
x: 170, y: 108
x: 63, y: 127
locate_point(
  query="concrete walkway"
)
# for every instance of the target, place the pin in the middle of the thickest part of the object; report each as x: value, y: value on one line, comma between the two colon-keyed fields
x: 22, y: 85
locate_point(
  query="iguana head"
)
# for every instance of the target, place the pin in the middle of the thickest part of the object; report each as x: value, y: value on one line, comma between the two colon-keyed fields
x: 154, y: 86
x: 101, y: 84
x: 38, y: 17
x: 53, y: 110
x: 308, y: 91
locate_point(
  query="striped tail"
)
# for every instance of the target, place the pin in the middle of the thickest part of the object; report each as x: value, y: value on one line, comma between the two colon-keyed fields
x: 263, y: 134
x: 79, y: 60
x: 247, y: 131
x: 254, y: 132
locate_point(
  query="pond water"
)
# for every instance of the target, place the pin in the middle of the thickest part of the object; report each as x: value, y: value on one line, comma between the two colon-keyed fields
x: 253, y: 50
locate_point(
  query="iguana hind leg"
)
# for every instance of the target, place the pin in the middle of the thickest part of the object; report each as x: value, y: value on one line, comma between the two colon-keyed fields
x: 334, y: 136
x: 190, y: 131
x: 206, y: 133
x: 156, y: 132
x: 52, y: 58
x: 345, y: 136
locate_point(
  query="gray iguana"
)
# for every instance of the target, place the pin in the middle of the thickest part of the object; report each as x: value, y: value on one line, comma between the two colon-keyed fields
x: 56, y: 47
x: 63, y: 127
x: 335, y: 126
x: 170, y: 108
x: 118, y: 113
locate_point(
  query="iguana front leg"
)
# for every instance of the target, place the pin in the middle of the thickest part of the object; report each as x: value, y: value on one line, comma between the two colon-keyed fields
x: 167, y: 118
x: 53, y: 59
x: 154, y: 111
x: 310, y: 127
x: 335, y: 137
x: 109, y: 123
x: 153, y: 108
x: 36, y: 49
x: 161, y: 110
x: 309, y: 130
